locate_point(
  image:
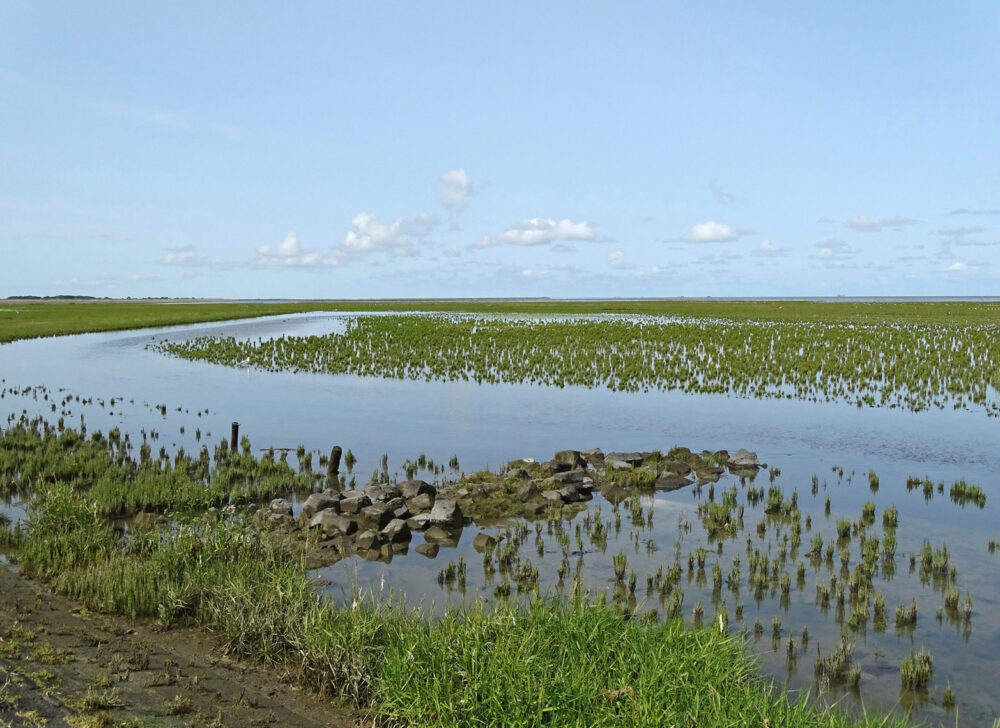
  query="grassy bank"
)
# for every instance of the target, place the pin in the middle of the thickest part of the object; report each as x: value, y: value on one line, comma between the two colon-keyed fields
x: 28, y: 320
x: 544, y: 662
x: 549, y: 663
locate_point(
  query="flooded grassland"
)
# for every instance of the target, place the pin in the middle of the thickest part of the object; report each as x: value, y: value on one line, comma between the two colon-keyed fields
x: 497, y: 460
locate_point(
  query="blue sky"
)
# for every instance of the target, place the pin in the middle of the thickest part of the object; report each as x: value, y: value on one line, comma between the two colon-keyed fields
x: 380, y: 149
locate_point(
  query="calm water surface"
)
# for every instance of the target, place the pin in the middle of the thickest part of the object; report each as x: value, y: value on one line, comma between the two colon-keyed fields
x: 488, y: 425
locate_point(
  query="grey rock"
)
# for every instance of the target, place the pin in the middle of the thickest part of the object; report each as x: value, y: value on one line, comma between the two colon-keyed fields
x: 552, y: 496
x: 396, y: 532
x: 527, y: 491
x: 570, y: 476
x: 353, y: 501
x: 333, y: 524
x: 280, y: 506
x: 283, y: 521
x: 419, y: 522
x: 569, y: 494
x: 402, y: 512
x: 413, y: 488
x: 623, y: 460
x: 420, y: 503
x: 744, y: 459
x: 318, y: 502
x: 447, y: 514
x: 382, y: 492
x: 377, y: 514
x: 367, y: 540
x: 595, y: 457
x: 573, y: 458
x: 518, y: 473
x: 555, y: 466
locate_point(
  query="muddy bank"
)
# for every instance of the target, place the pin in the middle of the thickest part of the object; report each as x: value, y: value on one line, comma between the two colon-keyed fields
x: 61, y: 665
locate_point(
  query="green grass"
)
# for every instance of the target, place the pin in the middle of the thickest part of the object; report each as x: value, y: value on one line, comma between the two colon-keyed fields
x: 28, y: 320
x: 540, y: 662
x: 914, y: 367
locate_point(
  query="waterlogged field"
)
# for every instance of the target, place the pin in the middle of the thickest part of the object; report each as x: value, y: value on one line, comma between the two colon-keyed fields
x: 859, y: 563
x: 914, y: 367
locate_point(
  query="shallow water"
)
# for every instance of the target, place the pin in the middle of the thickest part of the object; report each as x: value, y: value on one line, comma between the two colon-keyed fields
x: 488, y: 425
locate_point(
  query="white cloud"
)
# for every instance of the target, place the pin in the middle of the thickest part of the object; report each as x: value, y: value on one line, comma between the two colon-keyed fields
x: 866, y: 224
x: 186, y: 255
x: 834, y: 254
x: 458, y: 188
x: 288, y: 254
x: 957, y: 267
x: 768, y: 248
x: 712, y: 232
x: 617, y: 260
x: 399, y: 237
x: 540, y: 231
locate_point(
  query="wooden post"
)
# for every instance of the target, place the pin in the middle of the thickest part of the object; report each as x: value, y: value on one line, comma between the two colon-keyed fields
x: 234, y: 440
x: 334, y: 467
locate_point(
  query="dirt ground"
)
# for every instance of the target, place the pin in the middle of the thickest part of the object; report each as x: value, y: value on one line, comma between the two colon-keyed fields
x: 62, y: 666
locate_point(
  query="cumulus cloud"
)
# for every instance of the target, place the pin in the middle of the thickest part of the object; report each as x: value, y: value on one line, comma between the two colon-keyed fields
x: 399, y: 237
x: 866, y: 224
x: 541, y: 231
x: 186, y: 255
x: 458, y: 188
x: 288, y: 254
x: 712, y: 232
x: 958, y: 266
x: 616, y: 260
x: 834, y: 254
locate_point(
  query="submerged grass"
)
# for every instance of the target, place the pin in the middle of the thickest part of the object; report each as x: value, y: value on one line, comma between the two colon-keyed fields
x: 914, y: 367
x: 550, y: 662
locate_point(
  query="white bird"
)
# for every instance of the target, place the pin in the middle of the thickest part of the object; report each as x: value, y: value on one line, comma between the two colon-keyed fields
x: 244, y: 363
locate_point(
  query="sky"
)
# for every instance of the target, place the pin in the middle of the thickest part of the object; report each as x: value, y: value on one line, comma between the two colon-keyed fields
x: 453, y: 149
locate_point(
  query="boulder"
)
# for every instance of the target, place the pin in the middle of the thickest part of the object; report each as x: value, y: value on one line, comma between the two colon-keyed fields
x: 552, y: 496
x: 367, y: 540
x: 535, y: 509
x: 318, y: 502
x: 595, y: 457
x: 419, y: 522
x: 413, y: 488
x: 281, y: 521
x: 377, y: 514
x: 573, y: 458
x: 396, y: 531
x: 382, y: 492
x: 675, y: 467
x: 527, y: 491
x: 555, y: 466
x: 402, y: 512
x: 569, y: 494
x: 281, y: 507
x: 446, y: 514
x: 333, y: 524
x: 353, y: 501
x: 517, y: 474
x: 420, y: 503
x: 570, y: 476
x: 623, y: 460
x: 743, y: 459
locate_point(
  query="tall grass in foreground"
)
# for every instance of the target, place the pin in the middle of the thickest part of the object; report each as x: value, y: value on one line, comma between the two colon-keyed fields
x: 550, y: 663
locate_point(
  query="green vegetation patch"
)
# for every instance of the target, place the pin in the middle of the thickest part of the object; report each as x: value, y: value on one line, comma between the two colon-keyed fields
x: 914, y: 367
